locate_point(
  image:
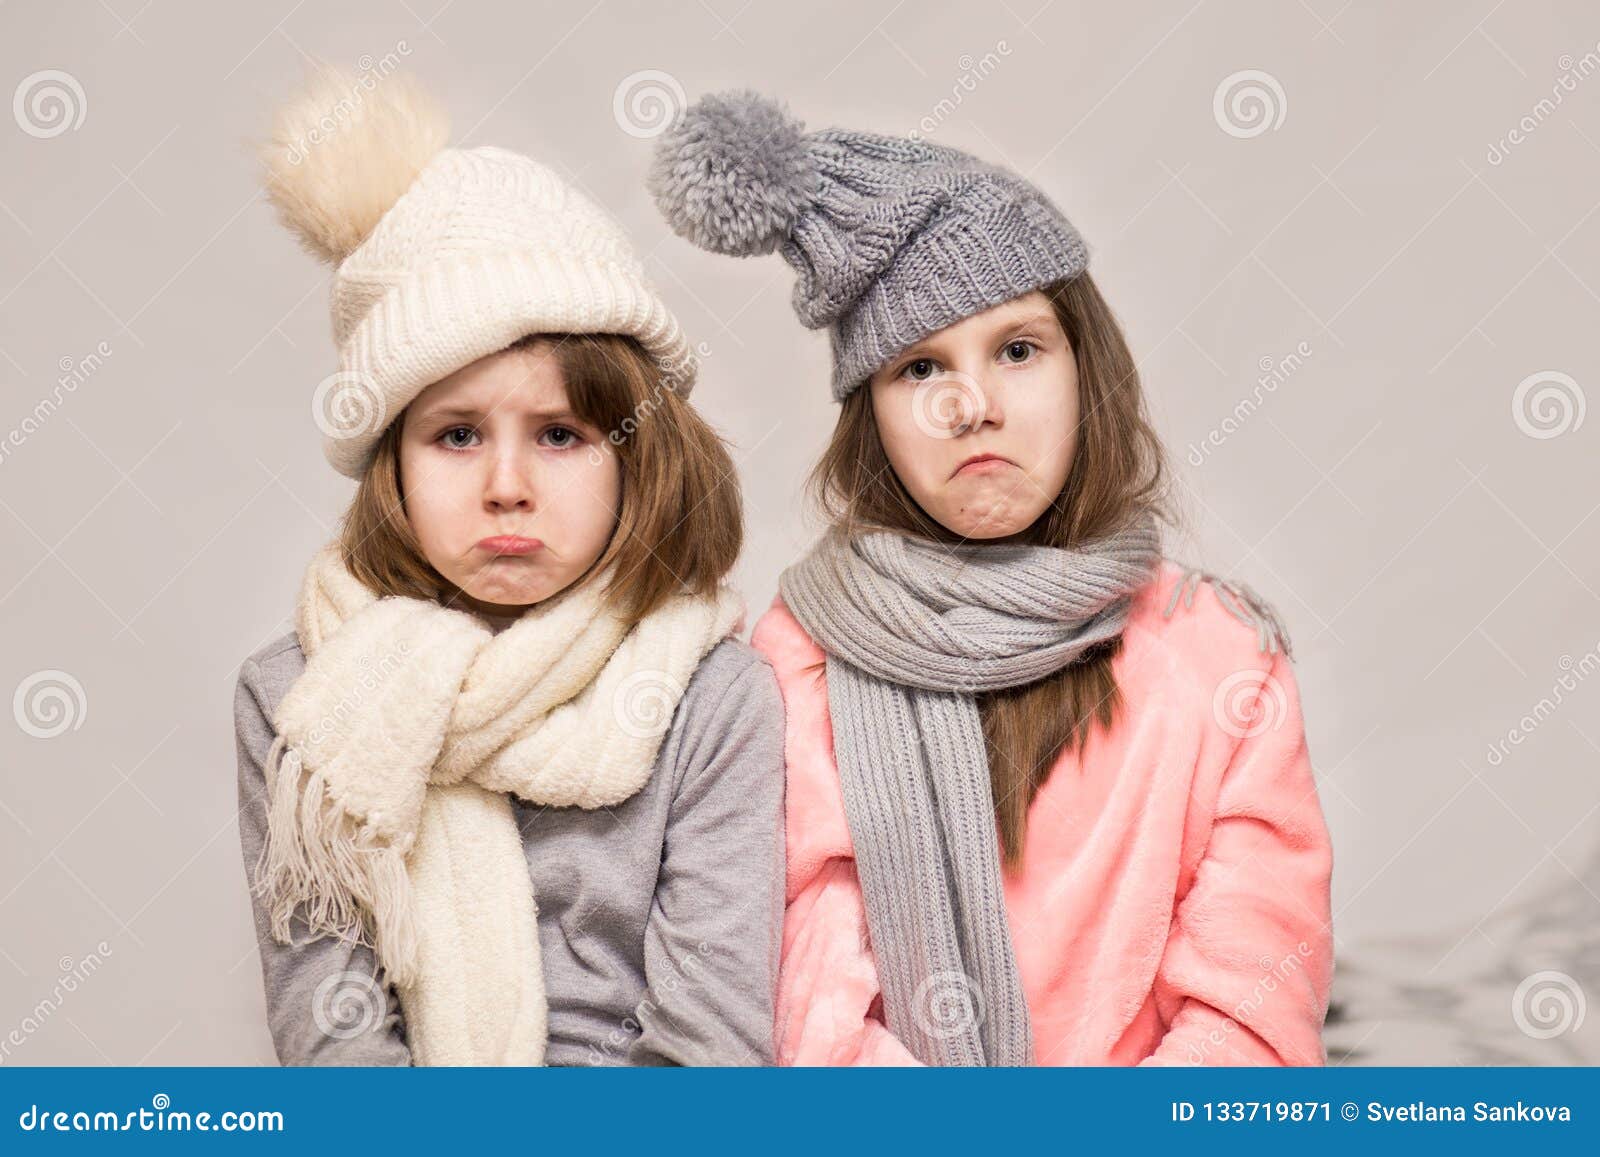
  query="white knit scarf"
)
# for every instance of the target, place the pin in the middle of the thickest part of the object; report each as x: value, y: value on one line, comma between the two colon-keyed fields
x: 389, y: 818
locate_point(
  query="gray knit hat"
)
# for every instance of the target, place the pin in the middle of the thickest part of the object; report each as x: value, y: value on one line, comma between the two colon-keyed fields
x: 893, y: 238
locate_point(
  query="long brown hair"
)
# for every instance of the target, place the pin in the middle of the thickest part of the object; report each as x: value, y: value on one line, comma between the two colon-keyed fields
x: 681, y: 523
x: 1118, y: 472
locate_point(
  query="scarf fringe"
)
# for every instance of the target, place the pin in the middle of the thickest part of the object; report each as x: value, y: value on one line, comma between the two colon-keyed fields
x: 1240, y: 601
x: 315, y: 854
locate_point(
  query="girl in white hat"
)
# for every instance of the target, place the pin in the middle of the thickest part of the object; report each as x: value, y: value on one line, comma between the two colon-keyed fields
x: 511, y: 790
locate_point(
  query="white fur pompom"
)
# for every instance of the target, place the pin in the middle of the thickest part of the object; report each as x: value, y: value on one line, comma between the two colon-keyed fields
x: 343, y: 149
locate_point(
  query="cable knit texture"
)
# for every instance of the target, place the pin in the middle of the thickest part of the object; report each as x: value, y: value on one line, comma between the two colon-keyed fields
x: 1173, y: 903
x: 389, y: 816
x: 442, y: 255
x: 892, y: 238
x: 485, y: 247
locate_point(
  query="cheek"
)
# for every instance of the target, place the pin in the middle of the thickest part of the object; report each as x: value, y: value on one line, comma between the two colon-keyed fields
x: 434, y: 489
x: 1048, y: 419
x: 584, y: 493
x: 909, y: 445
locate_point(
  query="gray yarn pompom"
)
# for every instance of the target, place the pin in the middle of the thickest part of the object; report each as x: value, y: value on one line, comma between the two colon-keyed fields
x: 733, y: 174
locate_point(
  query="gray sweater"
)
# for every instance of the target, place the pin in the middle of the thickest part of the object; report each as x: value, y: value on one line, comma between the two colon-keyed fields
x: 660, y: 919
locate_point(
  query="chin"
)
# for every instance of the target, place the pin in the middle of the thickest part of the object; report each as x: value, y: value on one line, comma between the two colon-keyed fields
x: 978, y: 526
x: 989, y: 531
x: 975, y: 518
x: 511, y: 594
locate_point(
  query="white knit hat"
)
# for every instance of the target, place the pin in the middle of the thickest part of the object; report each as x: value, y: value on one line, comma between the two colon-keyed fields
x: 441, y: 255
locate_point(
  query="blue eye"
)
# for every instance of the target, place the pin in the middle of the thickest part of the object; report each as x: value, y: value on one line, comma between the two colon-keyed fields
x: 450, y: 443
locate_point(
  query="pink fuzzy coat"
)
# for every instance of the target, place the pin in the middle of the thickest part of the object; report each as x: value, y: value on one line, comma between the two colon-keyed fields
x: 1173, y: 904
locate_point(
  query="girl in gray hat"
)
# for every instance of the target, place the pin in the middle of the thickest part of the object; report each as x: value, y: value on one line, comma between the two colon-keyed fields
x: 1034, y: 815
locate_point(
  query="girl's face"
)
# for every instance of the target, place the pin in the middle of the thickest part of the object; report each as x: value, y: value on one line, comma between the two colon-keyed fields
x: 980, y: 419
x: 501, y: 482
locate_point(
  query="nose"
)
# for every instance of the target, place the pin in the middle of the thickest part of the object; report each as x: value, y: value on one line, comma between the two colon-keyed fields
x: 994, y: 411
x: 978, y: 403
x: 509, y: 486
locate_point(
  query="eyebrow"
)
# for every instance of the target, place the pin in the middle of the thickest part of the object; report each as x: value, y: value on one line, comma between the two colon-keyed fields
x: 471, y: 412
x: 1038, y: 317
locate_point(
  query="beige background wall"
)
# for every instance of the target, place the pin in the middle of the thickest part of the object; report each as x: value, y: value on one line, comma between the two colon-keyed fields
x: 1409, y: 231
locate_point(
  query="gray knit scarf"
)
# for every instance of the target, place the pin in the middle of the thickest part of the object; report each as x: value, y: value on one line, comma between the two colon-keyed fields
x: 913, y: 630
